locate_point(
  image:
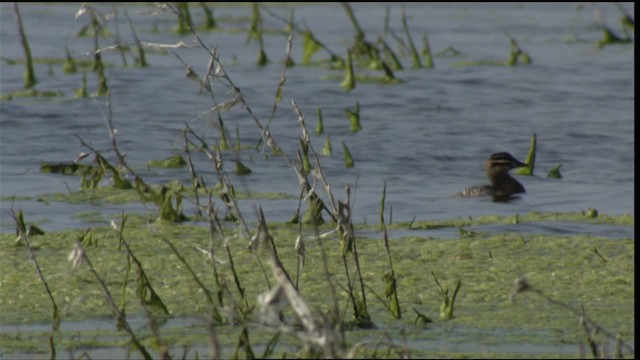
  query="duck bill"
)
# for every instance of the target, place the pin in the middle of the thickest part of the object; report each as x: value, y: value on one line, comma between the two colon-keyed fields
x: 517, y: 164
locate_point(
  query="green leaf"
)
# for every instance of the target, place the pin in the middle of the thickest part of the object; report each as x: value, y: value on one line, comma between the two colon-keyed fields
x: 349, y: 81
x: 348, y: 160
x: 242, y: 169
x: 320, y: 126
x: 530, y: 161
x: 555, y: 172
x: 175, y: 161
x: 326, y: 149
x: 310, y: 47
x: 354, y: 118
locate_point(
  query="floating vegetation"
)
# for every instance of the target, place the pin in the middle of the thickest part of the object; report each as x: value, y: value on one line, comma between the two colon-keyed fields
x: 609, y: 38
x: 554, y: 173
x: 65, y: 168
x: 31, y: 93
x: 591, y: 213
x: 486, y: 278
x: 176, y: 161
x: 533, y: 216
x: 69, y: 66
x: 242, y: 169
x: 516, y: 56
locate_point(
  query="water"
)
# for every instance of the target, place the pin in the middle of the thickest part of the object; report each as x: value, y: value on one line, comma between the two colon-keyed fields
x: 427, y: 138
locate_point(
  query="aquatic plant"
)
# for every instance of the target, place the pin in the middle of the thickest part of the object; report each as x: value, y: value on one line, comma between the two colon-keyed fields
x: 98, y: 65
x: 589, y: 326
x: 591, y: 213
x: 610, y: 38
x: 421, y: 319
x: 310, y: 46
x: 210, y: 22
x: 530, y: 160
x: 81, y: 92
x: 349, y: 82
x: 626, y: 20
x: 283, y: 77
x: 354, y: 118
x: 426, y: 51
x: 224, y: 143
x: 446, y: 305
x: 69, y: 66
x: 29, y: 74
x: 319, y: 125
x: 415, y: 56
x: 79, y: 256
x: 391, y: 283
x: 23, y: 237
x: 326, y: 149
x: 185, y: 24
x: 363, y: 51
x: 348, y: 159
x: 384, y: 195
x: 554, y: 173
x: 141, y: 61
x: 305, y: 156
x: 348, y: 244
x: 516, y: 54
x: 322, y: 332
x: 242, y: 169
x: 175, y: 161
x: 145, y: 292
x: 310, y: 43
x: 359, y: 32
x: 255, y: 31
x: 21, y: 228
x: 390, y: 57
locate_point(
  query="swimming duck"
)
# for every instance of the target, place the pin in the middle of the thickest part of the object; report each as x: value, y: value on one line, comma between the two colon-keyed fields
x: 502, y: 186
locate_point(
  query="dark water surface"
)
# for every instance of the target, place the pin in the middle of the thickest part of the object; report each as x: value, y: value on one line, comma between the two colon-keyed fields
x: 427, y: 137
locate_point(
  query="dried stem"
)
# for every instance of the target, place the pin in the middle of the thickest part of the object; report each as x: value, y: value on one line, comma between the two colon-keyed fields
x: 23, y: 236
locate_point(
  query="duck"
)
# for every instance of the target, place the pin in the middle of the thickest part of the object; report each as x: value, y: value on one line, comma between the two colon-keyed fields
x: 503, y: 186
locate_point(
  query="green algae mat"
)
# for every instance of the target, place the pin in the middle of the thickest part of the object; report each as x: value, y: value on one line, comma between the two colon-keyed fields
x: 161, y: 271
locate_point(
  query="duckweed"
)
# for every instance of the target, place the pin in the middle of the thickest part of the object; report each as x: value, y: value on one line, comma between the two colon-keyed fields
x: 564, y: 267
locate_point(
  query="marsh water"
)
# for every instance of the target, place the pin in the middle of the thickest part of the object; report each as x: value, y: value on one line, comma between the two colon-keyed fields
x: 427, y: 137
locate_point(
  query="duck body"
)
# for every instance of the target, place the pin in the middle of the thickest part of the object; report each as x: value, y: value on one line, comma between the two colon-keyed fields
x: 502, y: 186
